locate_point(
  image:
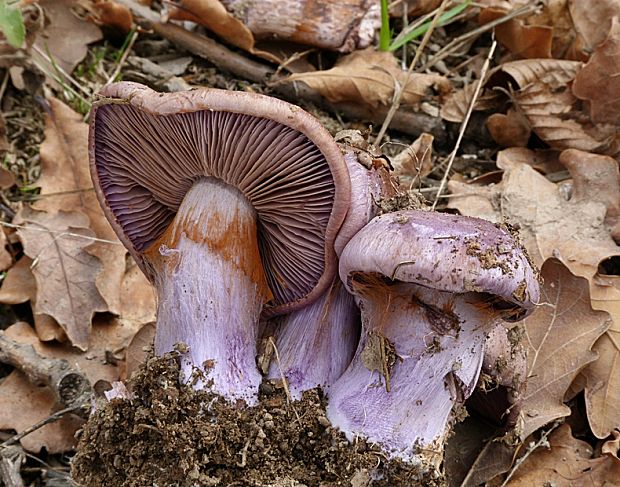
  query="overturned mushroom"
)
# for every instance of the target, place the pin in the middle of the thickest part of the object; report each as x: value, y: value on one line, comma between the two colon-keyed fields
x: 316, y: 343
x: 431, y: 286
x: 229, y: 202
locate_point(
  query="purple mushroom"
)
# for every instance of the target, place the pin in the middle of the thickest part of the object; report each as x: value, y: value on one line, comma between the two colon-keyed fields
x: 431, y: 287
x: 229, y: 202
x: 316, y: 343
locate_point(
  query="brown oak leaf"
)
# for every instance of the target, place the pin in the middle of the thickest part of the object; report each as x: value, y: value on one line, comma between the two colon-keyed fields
x: 558, y: 338
x: 63, y: 269
x: 66, y: 185
x: 567, y: 462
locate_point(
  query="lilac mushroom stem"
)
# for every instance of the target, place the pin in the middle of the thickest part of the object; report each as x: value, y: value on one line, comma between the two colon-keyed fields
x: 213, y: 234
x: 431, y: 287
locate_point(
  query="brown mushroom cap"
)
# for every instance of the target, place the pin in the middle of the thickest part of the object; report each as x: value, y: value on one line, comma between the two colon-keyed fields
x: 147, y: 149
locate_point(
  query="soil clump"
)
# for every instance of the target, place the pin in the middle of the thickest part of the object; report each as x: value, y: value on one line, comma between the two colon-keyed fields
x: 169, y: 434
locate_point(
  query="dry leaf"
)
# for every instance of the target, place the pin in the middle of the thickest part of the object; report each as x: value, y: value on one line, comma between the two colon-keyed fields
x: 602, y: 393
x: 137, y: 349
x: 558, y: 338
x: 6, y: 259
x: 63, y: 269
x: 22, y: 404
x: 592, y: 20
x: 554, y: 113
x: 138, y: 302
x: 66, y: 50
x: 575, y: 232
x: 524, y: 41
x: 509, y: 130
x: 599, y: 80
x: 612, y: 447
x: 214, y: 16
x: 65, y: 184
x: 109, y: 12
x: 414, y: 162
x: 597, y: 178
x: 567, y: 462
x: 19, y: 285
x: 371, y: 77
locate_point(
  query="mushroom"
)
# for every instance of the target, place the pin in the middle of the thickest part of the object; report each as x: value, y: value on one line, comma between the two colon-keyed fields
x: 316, y: 343
x: 229, y: 202
x: 430, y: 287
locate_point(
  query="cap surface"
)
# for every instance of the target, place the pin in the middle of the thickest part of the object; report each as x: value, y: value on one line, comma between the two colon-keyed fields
x: 148, y: 148
x: 445, y: 252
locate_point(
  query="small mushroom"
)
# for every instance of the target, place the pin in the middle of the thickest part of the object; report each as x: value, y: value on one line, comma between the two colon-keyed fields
x: 229, y: 202
x: 431, y: 287
x: 316, y: 343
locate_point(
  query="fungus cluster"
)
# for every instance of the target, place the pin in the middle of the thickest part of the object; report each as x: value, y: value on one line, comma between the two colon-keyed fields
x: 239, y: 208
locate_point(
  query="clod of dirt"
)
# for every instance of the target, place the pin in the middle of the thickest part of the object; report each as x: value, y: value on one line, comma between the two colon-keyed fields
x: 170, y: 434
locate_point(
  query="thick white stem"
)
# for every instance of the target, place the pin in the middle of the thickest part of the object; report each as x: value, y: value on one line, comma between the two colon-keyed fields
x: 430, y: 344
x: 211, y: 289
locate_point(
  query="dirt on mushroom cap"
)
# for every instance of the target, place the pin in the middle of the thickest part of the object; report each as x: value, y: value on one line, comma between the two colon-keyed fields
x: 170, y: 434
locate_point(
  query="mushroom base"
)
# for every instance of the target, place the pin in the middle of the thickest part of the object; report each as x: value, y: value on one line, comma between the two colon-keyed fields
x: 211, y: 289
x: 316, y: 343
x: 420, y: 355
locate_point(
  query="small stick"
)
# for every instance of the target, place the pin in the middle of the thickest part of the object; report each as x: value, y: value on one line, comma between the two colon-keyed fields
x: 470, y: 109
x: 70, y: 387
x: 50, y: 419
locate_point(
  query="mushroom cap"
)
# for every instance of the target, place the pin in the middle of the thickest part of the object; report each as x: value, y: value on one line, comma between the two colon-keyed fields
x: 147, y: 149
x: 446, y: 252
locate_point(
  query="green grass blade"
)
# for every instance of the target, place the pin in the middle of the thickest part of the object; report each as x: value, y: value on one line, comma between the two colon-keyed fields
x: 443, y: 20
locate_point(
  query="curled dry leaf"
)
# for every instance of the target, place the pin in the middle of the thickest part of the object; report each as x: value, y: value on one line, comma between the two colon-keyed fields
x: 371, y: 77
x: 558, y: 339
x: 214, y: 16
x: 111, y: 13
x: 510, y: 129
x: 568, y: 462
x: 553, y: 112
x: 63, y: 269
x: 65, y: 184
x: 599, y: 80
x: 522, y: 40
x: 22, y: 404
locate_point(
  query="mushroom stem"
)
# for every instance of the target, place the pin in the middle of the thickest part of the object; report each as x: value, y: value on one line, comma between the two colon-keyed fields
x: 211, y: 288
x: 316, y: 343
x: 420, y: 355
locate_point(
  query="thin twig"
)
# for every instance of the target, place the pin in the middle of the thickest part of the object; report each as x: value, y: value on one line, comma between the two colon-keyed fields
x: 531, y: 448
x: 470, y: 109
x: 50, y: 419
x: 399, y: 93
x: 50, y: 59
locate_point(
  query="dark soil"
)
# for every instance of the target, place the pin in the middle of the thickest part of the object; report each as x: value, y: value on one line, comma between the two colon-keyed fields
x: 168, y: 434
